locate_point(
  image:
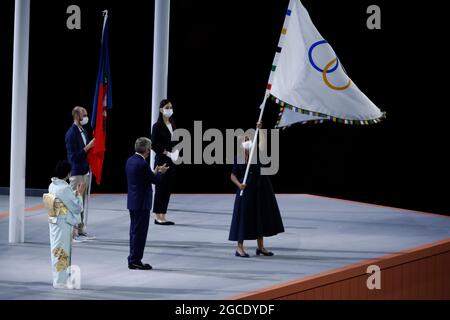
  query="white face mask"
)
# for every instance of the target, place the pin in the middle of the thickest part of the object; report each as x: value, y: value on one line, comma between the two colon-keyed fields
x: 84, y: 121
x: 168, y: 113
x: 247, y: 145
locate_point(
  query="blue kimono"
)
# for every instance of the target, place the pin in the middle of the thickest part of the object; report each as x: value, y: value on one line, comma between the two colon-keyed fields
x: 68, y: 209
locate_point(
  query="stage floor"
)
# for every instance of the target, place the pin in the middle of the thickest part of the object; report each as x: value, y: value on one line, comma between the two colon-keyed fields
x: 194, y: 259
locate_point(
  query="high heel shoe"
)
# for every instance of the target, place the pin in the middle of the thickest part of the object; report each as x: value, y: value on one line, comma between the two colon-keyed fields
x: 165, y: 223
x: 264, y: 253
x: 245, y: 255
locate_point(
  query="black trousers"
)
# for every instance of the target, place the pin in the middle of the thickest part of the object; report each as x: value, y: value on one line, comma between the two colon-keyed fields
x: 163, y: 191
x: 138, y: 234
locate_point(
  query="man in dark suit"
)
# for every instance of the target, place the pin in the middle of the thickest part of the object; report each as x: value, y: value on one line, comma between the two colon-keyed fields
x: 77, y: 146
x: 139, y: 202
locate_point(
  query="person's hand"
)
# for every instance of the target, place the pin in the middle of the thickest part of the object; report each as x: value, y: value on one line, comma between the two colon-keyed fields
x: 90, y: 145
x: 242, y: 186
x: 80, y: 188
x: 173, y: 155
x: 162, y: 168
x: 259, y: 125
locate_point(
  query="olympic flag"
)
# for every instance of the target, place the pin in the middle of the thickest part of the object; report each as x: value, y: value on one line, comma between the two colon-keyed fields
x: 308, y: 80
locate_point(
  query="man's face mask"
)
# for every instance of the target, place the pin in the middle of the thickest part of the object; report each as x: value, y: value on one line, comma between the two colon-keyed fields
x: 84, y: 121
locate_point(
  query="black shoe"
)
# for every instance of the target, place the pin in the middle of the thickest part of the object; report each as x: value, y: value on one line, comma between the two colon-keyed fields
x: 264, y: 253
x: 139, y: 266
x: 245, y: 255
x: 165, y: 223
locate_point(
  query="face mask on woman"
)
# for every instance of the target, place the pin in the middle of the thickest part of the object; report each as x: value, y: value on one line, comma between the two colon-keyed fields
x: 247, y: 145
x: 167, y: 113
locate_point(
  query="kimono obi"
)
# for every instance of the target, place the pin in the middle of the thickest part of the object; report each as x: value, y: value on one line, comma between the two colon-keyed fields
x: 54, y: 206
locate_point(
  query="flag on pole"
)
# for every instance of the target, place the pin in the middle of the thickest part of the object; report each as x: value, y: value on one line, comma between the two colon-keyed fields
x: 308, y: 80
x: 102, y: 102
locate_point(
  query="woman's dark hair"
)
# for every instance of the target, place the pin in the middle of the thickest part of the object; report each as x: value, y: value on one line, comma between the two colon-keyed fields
x: 160, y: 117
x: 62, y: 169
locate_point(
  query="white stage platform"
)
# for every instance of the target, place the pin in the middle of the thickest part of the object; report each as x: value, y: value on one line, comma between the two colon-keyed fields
x: 194, y: 259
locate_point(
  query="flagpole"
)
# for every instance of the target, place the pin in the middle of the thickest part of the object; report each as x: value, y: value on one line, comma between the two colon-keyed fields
x: 19, y: 122
x: 89, y: 186
x: 262, y: 107
x: 160, y: 60
x: 88, y: 196
x: 266, y: 96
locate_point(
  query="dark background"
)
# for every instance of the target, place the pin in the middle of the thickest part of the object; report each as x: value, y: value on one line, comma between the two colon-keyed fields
x: 220, y: 57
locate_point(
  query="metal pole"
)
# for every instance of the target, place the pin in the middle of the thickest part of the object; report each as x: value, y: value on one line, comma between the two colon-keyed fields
x: 88, y: 196
x: 89, y: 186
x: 263, y: 105
x: 160, y: 59
x: 255, y: 140
x: 19, y: 122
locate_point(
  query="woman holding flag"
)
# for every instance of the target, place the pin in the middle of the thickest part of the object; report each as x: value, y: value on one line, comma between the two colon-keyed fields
x: 256, y: 214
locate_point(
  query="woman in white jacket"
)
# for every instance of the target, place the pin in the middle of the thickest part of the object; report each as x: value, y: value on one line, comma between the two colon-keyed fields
x: 65, y: 207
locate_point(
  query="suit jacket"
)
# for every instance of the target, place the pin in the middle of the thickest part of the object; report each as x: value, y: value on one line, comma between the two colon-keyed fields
x: 161, y: 141
x: 140, y: 179
x: 75, y: 151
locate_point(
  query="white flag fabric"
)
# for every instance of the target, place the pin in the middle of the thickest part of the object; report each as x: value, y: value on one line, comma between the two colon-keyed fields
x: 308, y: 80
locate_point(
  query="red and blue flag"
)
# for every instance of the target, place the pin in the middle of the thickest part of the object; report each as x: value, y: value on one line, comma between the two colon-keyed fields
x: 102, y: 102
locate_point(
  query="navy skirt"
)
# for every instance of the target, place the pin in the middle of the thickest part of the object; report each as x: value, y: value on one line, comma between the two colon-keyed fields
x: 256, y: 213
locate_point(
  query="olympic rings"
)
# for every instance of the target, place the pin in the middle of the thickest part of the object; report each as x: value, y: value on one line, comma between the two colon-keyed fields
x: 328, y: 83
x: 318, y: 43
x: 327, y: 69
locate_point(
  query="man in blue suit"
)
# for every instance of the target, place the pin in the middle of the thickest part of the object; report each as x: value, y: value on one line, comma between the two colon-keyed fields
x: 139, y: 202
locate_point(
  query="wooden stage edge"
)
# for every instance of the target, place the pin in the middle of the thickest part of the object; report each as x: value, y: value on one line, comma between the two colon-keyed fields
x: 419, y: 273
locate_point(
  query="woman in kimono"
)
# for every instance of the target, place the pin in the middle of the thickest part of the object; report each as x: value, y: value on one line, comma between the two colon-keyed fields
x: 65, y: 206
x: 256, y: 214
x: 162, y: 145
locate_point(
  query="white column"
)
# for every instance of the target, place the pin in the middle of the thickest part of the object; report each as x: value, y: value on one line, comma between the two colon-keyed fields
x: 160, y: 59
x: 19, y: 122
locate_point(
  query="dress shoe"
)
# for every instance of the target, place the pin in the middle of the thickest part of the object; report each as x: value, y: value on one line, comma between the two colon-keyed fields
x: 165, y: 223
x: 139, y: 266
x: 86, y: 236
x: 245, y: 255
x: 264, y: 253
x: 78, y: 239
